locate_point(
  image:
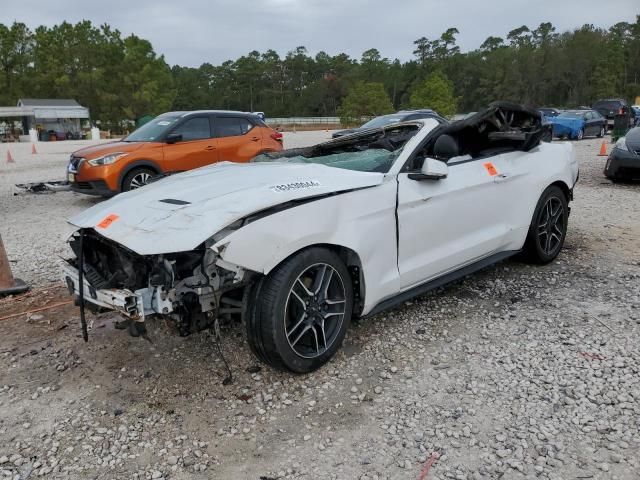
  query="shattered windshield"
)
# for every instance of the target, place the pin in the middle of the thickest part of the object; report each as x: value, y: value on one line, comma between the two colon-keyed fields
x: 371, y: 151
x: 153, y: 130
x: 372, y: 160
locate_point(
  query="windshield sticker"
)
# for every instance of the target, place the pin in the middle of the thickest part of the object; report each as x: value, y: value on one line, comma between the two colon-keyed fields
x: 164, y: 123
x: 491, y: 170
x: 108, y: 220
x: 287, y: 187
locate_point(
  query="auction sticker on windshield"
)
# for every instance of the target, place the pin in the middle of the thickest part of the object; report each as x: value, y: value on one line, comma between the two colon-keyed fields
x: 287, y: 187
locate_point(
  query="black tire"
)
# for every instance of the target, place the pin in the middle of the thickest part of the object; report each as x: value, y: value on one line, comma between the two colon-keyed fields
x: 285, y: 333
x: 580, y: 134
x: 602, y: 132
x: 545, y: 240
x: 136, y: 178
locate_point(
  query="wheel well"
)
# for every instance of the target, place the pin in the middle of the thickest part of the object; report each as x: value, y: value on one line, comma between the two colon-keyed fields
x: 568, y: 192
x: 354, y: 265
x: 138, y: 164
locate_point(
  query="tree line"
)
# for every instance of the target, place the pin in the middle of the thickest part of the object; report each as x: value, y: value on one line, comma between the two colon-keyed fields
x: 123, y: 78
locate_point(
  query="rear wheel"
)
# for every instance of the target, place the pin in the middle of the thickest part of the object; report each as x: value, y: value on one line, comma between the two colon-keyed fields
x: 548, y: 227
x: 602, y: 132
x: 580, y: 134
x: 136, y: 178
x: 299, y: 313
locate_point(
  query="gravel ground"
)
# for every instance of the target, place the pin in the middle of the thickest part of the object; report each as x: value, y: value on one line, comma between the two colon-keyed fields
x: 517, y: 372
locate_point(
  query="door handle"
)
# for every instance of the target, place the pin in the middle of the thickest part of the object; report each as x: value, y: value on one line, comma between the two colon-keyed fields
x: 255, y: 139
x: 210, y: 147
x: 501, y: 177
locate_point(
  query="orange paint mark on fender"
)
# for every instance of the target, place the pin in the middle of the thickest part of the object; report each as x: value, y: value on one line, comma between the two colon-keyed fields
x: 108, y: 220
x: 491, y: 170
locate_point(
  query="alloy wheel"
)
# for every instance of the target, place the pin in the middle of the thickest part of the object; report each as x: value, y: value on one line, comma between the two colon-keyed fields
x: 139, y: 180
x: 551, y: 223
x: 314, y: 310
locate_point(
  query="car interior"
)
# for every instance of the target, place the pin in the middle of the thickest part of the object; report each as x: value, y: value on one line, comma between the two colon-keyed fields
x: 501, y: 128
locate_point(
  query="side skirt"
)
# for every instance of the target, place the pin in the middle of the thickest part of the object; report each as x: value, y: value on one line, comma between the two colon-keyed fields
x: 440, y: 281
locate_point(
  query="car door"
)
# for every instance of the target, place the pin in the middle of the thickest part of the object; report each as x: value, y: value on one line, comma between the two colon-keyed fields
x: 599, y: 121
x: 238, y: 139
x: 592, y: 126
x: 196, y: 147
x: 448, y: 223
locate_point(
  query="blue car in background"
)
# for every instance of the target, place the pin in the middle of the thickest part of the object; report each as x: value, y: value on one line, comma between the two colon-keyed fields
x: 577, y: 124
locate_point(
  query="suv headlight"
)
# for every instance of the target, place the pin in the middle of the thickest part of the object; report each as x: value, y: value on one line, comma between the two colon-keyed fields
x: 107, y: 159
x: 621, y: 144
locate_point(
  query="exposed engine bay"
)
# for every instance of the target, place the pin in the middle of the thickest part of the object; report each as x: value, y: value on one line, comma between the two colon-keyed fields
x: 188, y: 287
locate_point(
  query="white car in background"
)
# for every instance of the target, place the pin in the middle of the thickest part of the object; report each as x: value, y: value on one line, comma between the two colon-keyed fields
x: 298, y: 242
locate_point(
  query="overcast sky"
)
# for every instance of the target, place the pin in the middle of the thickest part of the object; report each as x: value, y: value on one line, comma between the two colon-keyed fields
x: 190, y: 32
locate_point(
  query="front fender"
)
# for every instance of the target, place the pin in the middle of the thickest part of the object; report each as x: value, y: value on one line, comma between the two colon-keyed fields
x: 362, y: 221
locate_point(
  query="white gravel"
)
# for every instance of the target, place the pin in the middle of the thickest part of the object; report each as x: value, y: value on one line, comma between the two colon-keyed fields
x: 517, y: 372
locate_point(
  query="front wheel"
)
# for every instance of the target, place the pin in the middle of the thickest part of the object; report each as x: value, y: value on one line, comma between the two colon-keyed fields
x: 136, y: 178
x: 580, y: 134
x: 602, y: 132
x: 548, y: 227
x: 300, y: 312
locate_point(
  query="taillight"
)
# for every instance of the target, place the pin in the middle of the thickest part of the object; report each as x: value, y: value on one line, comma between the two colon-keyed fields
x: 276, y: 136
x: 620, y: 111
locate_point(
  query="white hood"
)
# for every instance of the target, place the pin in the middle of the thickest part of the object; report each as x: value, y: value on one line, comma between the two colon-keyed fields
x: 217, y: 196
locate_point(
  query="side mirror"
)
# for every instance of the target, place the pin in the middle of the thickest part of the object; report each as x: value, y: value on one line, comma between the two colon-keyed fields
x: 432, y: 169
x: 173, y: 138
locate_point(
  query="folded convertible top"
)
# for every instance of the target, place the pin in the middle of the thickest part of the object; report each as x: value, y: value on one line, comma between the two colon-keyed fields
x: 500, y: 125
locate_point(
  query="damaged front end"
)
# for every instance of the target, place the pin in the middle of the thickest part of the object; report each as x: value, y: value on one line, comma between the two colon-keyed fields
x: 189, y: 288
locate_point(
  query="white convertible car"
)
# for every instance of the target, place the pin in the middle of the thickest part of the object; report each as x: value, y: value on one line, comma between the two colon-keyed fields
x: 298, y: 242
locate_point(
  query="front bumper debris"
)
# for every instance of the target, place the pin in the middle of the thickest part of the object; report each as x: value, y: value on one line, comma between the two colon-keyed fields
x: 135, y: 305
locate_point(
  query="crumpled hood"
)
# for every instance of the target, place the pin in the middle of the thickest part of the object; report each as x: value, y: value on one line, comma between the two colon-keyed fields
x: 180, y: 212
x: 106, y: 148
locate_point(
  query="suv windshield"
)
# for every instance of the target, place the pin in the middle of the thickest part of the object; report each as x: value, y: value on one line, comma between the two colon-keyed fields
x: 151, y: 131
x: 611, y: 105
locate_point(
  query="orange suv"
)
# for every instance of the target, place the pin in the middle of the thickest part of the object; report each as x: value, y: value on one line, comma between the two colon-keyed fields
x: 172, y: 142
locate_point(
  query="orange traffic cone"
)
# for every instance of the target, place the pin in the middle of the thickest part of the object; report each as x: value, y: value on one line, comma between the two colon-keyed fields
x: 603, y: 150
x: 9, y: 157
x: 33, y: 149
x: 8, y: 284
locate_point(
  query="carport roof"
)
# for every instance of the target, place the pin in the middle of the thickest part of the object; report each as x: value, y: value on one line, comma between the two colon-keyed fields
x: 46, y: 108
x: 48, y: 102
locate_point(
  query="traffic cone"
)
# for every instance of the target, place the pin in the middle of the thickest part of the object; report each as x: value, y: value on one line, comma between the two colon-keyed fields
x: 8, y: 284
x: 603, y: 150
x: 33, y: 149
x: 9, y: 157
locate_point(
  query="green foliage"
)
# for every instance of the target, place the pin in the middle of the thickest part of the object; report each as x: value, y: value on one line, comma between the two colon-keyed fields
x: 116, y: 78
x: 365, y: 99
x: 436, y: 93
x: 120, y: 78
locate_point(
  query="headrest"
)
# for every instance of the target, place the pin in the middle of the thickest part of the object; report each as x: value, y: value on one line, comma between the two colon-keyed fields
x: 446, y: 147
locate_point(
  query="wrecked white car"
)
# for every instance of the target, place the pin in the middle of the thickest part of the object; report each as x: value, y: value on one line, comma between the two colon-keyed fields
x: 298, y: 242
